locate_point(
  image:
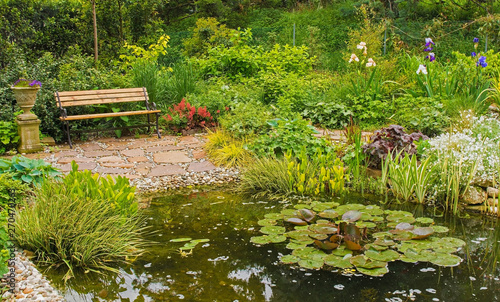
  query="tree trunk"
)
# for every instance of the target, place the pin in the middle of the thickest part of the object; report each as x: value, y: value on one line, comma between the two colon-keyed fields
x: 96, y: 51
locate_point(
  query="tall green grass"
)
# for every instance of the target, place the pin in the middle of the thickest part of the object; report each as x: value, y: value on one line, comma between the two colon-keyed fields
x: 182, y: 82
x: 77, y: 232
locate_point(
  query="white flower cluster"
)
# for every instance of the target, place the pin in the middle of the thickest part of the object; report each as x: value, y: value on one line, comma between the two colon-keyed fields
x: 478, y: 144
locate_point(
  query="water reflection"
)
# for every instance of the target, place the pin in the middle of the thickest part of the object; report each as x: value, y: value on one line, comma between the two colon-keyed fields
x: 229, y: 268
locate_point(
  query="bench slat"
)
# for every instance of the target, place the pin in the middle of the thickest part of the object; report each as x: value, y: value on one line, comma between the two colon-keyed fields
x: 103, y: 91
x: 104, y: 115
x: 100, y: 96
x: 102, y: 101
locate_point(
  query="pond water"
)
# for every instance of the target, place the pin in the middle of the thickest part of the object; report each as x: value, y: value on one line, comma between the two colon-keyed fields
x: 230, y: 268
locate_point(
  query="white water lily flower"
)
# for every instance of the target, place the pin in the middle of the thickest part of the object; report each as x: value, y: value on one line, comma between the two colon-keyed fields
x: 422, y: 69
x: 354, y: 57
x: 370, y: 63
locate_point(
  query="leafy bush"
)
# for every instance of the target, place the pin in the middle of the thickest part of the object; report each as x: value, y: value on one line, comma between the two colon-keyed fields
x: 8, y: 136
x: 289, y: 135
x: 247, y: 119
x: 391, y: 140
x: 30, y: 171
x: 332, y: 114
x: 70, y: 223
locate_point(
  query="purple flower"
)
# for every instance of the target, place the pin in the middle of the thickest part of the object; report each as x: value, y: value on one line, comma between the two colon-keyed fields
x: 428, y: 49
x: 473, y: 54
x: 476, y: 40
x: 431, y: 57
x: 428, y: 42
x: 27, y: 83
x: 482, y: 61
x: 35, y: 83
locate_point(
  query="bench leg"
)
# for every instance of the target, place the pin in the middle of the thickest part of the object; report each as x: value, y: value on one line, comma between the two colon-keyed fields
x: 157, y: 128
x: 149, y: 124
x: 66, y: 125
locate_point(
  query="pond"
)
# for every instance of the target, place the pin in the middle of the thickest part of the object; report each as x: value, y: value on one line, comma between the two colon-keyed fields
x: 229, y: 267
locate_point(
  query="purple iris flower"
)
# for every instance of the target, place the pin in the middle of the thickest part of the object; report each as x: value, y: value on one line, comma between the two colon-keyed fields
x: 482, y: 61
x: 476, y: 40
x: 428, y: 42
x: 473, y: 54
x: 431, y: 57
x: 428, y: 49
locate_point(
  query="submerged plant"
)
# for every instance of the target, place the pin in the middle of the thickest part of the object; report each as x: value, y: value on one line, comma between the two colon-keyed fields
x: 367, y: 238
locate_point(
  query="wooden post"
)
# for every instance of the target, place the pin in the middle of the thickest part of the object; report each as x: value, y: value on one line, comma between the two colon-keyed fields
x: 96, y: 51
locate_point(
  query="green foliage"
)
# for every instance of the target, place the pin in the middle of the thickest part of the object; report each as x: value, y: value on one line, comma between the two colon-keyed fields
x: 289, y: 135
x: 30, y: 171
x: 247, y: 119
x: 116, y: 191
x: 225, y: 150
x: 182, y: 82
x: 8, y: 136
x: 207, y: 34
x: 65, y: 227
x: 322, y: 109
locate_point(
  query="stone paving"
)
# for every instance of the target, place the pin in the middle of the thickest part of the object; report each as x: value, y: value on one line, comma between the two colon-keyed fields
x: 139, y: 159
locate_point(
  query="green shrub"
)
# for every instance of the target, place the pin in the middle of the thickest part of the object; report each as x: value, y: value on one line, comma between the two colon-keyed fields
x: 30, y: 171
x: 8, y: 136
x: 289, y: 135
x: 82, y: 222
x: 247, y: 119
x: 182, y: 82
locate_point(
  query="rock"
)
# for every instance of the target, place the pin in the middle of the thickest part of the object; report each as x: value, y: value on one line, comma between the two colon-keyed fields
x: 492, y: 192
x: 474, y: 195
x: 492, y: 202
x: 484, y: 183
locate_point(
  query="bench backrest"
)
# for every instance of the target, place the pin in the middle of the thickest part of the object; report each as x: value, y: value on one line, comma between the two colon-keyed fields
x: 95, y: 97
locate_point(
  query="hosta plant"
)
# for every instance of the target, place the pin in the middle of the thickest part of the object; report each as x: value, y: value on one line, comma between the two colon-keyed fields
x: 367, y: 238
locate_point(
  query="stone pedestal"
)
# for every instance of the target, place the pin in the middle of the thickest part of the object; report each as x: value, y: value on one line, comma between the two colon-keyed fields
x: 28, y: 127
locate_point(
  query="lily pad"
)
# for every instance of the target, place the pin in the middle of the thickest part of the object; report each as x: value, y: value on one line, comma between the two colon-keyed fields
x: 309, y: 253
x: 295, y: 245
x: 310, y: 263
x: 274, y: 216
x: 384, y: 242
x: 319, y: 236
x: 440, y: 229
x: 421, y: 233
x: 306, y: 214
x: 376, y: 247
x: 374, y: 272
x: 288, y: 212
x: 401, y: 218
x: 447, y: 260
x: 296, y: 221
x: 323, y: 228
x: 275, y: 238
x: 387, y: 255
x: 326, y: 245
x: 266, y: 222
x: 289, y: 259
x: 405, y: 226
x: 352, y: 216
x: 450, y: 241
x: 337, y: 261
x: 341, y: 251
x: 260, y: 239
x: 273, y: 230
x: 361, y: 261
x: 331, y: 214
x: 365, y: 224
x: 301, y: 206
x: 424, y: 220
x: 180, y: 239
x: 381, y: 234
x: 200, y: 240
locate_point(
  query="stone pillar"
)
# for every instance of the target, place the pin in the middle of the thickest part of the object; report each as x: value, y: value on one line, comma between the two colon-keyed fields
x: 28, y: 127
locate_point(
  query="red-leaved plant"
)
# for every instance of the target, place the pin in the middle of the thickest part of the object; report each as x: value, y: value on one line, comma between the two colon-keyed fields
x: 184, y: 116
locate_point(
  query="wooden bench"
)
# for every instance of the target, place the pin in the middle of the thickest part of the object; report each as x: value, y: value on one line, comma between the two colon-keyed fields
x: 108, y: 96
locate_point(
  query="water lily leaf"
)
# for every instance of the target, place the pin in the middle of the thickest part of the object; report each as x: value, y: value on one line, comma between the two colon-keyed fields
x: 260, y: 239
x: 352, y: 215
x: 311, y: 263
x: 447, y: 260
x: 381, y: 234
x: 306, y: 214
x: 200, y: 240
x: 275, y: 238
x: 403, y: 235
x: 376, y: 247
x: 405, y: 226
x: 365, y: 224
x: 288, y: 212
x: 374, y: 210
x: 266, y: 222
x: 353, y: 246
x: 309, y: 253
x: 400, y: 218
x: 323, y: 228
x: 289, y: 259
x: 296, y: 221
x: 186, y: 248
x: 366, y: 216
x: 337, y: 261
x: 295, y: 245
x: 445, y: 250
x: 336, y: 238
x: 319, y: 236
x: 384, y: 242
x: 329, y: 214
x: 326, y: 245
x: 274, y: 216
x: 377, y: 219
x: 386, y: 256
x: 301, y: 227
x: 374, y: 272
x: 341, y: 251
x: 301, y: 206
x: 365, y: 262
x: 450, y: 241
x: 273, y: 230
x: 440, y: 229
x: 422, y: 256
x: 425, y: 220
x: 423, y: 232
x: 180, y: 239
x: 190, y: 245
x: 324, y: 221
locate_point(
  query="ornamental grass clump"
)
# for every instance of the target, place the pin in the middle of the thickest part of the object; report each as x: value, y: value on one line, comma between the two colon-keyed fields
x: 86, y: 231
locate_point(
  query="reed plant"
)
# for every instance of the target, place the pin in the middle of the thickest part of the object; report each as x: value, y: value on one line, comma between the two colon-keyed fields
x: 78, y: 231
x: 266, y: 176
x: 225, y: 150
x: 182, y: 82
